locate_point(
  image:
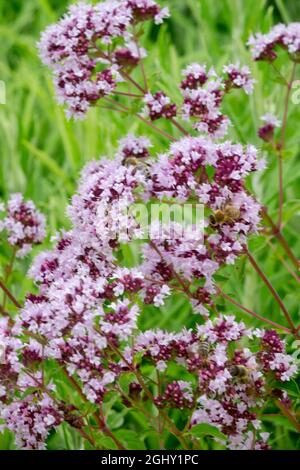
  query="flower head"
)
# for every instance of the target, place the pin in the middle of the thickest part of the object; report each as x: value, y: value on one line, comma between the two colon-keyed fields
x: 24, y: 224
x: 75, y: 49
x: 265, y: 46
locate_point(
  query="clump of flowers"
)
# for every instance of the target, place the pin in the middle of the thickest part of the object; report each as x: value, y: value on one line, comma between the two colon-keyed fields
x: 203, y: 92
x: 266, y: 132
x: 101, y: 211
x: 227, y: 378
x: 159, y: 105
x: 238, y: 78
x: 129, y: 56
x: 31, y: 420
x: 202, y: 102
x: 182, y: 175
x: 23, y: 223
x: 86, y: 313
x: 265, y: 46
x: 134, y: 147
x: 143, y: 10
x: 227, y: 382
x: 88, y: 39
x: 84, y: 52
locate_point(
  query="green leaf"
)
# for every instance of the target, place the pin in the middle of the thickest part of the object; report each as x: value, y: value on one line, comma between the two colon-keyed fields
x: 116, y: 418
x: 105, y: 442
x: 56, y: 441
x: 48, y: 162
x: 280, y: 421
x: 7, y: 440
x: 130, y: 439
x: 291, y: 388
x: 125, y: 380
x: 204, y: 429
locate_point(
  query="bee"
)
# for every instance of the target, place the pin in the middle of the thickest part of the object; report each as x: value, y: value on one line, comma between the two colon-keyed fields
x: 227, y: 214
x: 204, y: 349
x: 138, y: 164
x: 240, y: 372
x: 131, y: 161
x: 71, y: 415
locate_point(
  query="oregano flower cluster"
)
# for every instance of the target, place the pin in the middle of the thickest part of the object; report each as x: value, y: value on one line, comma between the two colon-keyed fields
x: 265, y: 46
x: 226, y: 386
x: 23, y: 223
x: 203, y: 93
x: 85, y: 314
x: 84, y: 52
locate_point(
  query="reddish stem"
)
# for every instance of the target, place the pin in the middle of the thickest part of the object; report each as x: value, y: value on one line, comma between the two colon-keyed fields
x: 144, y: 91
x: 288, y: 414
x: 9, y: 294
x: 148, y: 393
x: 277, y: 233
x: 160, y: 131
x: 285, y: 263
x: 133, y: 82
x: 281, y: 146
x: 175, y: 274
x: 254, y: 314
x: 272, y: 290
x: 8, y: 273
x: 130, y: 95
x: 141, y: 118
x: 141, y: 60
x: 179, y: 126
x: 101, y: 422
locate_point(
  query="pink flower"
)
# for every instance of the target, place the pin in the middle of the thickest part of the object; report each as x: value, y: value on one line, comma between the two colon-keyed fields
x: 266, y: 132
x: 264, y: 46
x: 24, y: 224
x: 31, y: 420
x: 159, y: 105
x: 239, y: 77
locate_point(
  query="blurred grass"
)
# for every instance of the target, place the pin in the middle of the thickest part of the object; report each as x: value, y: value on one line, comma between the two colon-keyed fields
x: 42, y: 153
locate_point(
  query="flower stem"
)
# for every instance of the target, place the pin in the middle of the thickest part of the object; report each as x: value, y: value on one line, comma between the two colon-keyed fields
x: 254, y: 314
x: 8, y: 273
x: 287, y: 413
x: 144, y: 91
x: 277, y: 233
x: 140, y: 117
x: 45, y: 390
x: 101, y: 422
x: 284, y: 262
x: 179, y: 126
x: 272, y: 290
x: 175, y: 274
x: 173, y: 429
x: 140, y: 59
x: 9, y: 294
x: 281, y: 144
x: 130, y: 95
x: 133, y: 82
